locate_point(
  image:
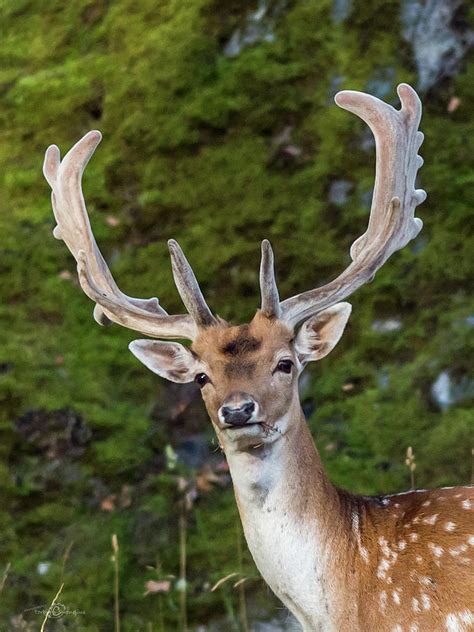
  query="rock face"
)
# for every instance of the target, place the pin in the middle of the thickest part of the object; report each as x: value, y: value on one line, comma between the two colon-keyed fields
x: 258, y: 27
x: 341, y: 10
x: 438, y: 35
x: 58, y: 434
x: 386, y: 326
x: 339, y: 191
x: 446, y: 392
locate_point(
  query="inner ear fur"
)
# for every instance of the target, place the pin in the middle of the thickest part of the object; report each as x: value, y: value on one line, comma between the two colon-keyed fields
x: 320, y: 334
x: 170, y: 360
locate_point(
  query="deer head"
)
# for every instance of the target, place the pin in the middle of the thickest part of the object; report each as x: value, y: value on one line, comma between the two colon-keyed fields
x: 248, y: 374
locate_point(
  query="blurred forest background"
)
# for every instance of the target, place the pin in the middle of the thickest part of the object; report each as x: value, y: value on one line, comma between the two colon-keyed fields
x: 219, y: 130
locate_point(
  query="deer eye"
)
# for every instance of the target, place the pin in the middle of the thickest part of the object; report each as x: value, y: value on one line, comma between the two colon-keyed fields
x: 285, y: 366
x: 201, y: 379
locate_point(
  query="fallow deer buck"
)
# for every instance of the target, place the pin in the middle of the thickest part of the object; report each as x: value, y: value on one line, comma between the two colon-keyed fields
x: 339, y: 562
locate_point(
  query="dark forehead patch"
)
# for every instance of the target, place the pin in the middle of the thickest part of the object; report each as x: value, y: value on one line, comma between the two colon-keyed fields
x: 239, y: 368
x: 242, y: 343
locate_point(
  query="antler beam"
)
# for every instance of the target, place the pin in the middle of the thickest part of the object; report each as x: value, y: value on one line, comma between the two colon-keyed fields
x: 73, y: 227
x: 268, y: 288
x: 392, y: 223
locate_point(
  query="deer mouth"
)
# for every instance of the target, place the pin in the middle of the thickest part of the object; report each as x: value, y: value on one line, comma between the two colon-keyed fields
x: 252, y: 436
x: 255, y: 428
x: 252, y: 428
x: 244, y: 424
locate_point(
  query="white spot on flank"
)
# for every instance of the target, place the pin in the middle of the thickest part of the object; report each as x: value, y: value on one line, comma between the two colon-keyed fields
x: 449, y: 526
x: 419, y: 559
x: 413, y: 537
x: 382, y: 569
x: 427, y: 503
x: 458, y: 550
x: 431, y: 519
x: 471, y: 540
x: 413, y: 628
x: 397, y: 505
x: 356, y: 530
x: 415, y: 605
x: 384, y: 546
x: 402, y: 545
x: 425, y: 600
x: 466, y: 504
x: 396, y: 597
x: 466, y: 616
x: 355, y: 522
x: 397, y: 628
x: 364, y: 554
x: 383, y: 601
x: 436, y: 550
x: 452, y: 623
x: 457, y: 622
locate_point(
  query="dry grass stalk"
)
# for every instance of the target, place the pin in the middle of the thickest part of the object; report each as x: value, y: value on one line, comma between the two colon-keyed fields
x: 51, y: 608
x: 411, y: 464
x: 222, y: 580
x: 183, y: 525
x: 241, y: 584
x: 115, y: 559
x: 65, y: 558
x: 4, y: 578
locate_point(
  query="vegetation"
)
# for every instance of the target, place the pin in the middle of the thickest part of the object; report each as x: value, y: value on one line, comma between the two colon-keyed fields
x: 219, y: 152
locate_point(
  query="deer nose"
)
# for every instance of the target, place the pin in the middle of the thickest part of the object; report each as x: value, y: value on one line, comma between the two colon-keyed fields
x: 237, y: 412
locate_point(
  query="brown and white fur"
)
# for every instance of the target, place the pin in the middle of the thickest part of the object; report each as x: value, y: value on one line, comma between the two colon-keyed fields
x: 337, y: 561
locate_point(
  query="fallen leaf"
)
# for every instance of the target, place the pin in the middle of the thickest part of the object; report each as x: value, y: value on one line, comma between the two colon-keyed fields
x: 454, y: 103
x: 113, y: 221
x: 156, y: 587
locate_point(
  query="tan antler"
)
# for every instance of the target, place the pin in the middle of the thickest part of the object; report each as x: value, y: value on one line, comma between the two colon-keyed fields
x: 112, y: 305
x: 270, y: 305
x: 392, y: 223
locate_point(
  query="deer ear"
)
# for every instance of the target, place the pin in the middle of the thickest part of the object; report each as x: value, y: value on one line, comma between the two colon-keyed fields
x: 167, y: 359
x: 321, y: 333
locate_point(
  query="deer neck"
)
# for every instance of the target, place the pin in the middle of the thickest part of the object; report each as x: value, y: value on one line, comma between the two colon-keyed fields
x: 293, y: 520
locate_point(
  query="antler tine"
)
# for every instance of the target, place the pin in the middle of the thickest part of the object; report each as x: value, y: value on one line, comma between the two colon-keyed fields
x: 392, y: 223
x: 188, y: 287
x: 73, y: 227
x: 268, y: 288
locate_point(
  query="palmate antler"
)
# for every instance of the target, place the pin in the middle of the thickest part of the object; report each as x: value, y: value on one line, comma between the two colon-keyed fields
x: 73, y: 227
x: 392, y: 223
x: 391, y: 226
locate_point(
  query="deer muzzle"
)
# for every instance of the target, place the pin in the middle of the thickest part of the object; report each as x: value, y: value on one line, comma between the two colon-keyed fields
x: 238, y: 409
